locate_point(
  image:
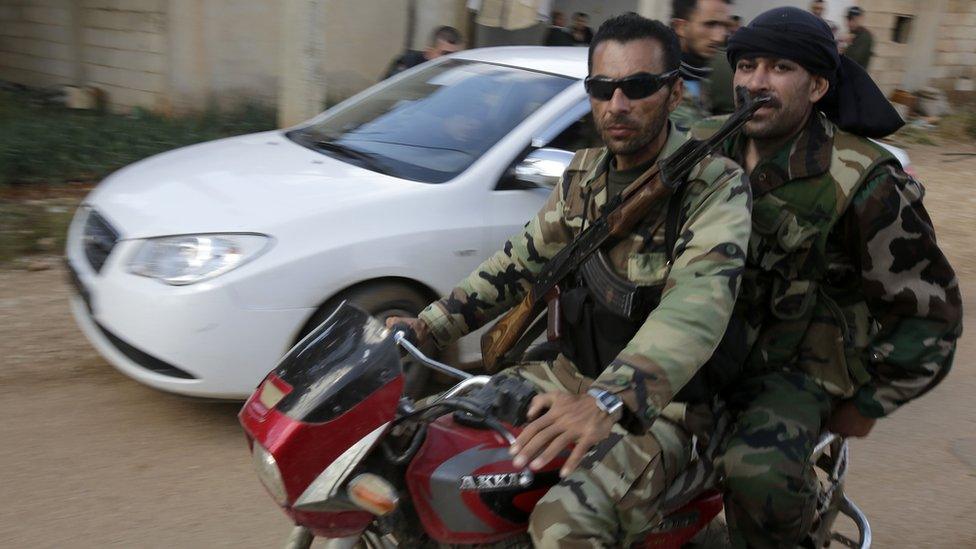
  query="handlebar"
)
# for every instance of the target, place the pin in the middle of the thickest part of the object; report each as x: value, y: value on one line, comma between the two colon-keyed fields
x: 404, y: 334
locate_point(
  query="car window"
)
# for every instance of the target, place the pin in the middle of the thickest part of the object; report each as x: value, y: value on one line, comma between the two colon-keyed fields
x: 431, y: 125
x: 581, y: 134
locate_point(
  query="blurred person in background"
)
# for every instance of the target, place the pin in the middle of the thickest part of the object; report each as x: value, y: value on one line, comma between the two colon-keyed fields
x: 443, y: 41
x: 718, y: 86
x: 582, y: 33
x: 734, y: 23
x: 702, y: 27
x: 861, y: 45
x: 557, y: 35
x: 819, y: 8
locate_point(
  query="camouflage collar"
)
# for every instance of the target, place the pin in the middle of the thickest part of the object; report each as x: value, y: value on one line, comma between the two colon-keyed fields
x: 806, y: 155
x: 593, y: 177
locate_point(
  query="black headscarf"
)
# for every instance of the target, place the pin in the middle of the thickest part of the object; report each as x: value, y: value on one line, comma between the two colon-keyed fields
x: 853, y: 101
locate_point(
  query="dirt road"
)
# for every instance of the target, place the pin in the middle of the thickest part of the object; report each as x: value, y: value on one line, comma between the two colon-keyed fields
x: 89, y: 458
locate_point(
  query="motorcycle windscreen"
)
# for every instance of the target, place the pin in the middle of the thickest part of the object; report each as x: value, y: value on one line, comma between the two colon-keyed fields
x: 338, y: 365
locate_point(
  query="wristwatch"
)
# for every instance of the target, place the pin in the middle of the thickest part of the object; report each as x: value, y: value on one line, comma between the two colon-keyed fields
x: 608, y: 402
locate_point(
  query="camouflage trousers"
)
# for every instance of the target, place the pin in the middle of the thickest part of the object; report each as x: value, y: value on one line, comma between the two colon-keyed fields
x: 771, y: 491
x: 613, y: 496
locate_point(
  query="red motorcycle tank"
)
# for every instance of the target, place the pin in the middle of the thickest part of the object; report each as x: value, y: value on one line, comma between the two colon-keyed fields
x: 465, y: 488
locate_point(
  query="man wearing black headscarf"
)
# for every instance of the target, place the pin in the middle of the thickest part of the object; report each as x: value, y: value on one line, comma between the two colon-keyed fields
x: 851, y: 308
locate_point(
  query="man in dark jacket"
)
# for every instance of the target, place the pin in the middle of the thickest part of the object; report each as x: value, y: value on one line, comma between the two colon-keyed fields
x: 702, y: 28
x: 443, y: 41
x: 557, y: 34
x: 861, y: 47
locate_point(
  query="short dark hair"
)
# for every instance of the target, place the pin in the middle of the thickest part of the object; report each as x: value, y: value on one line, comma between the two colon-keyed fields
x: 446, y: 33
x: 682, y: 9
x: 581, y: 14
x: 630, y: 26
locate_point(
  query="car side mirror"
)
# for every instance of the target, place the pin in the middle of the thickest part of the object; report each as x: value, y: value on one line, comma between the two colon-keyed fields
x: 543, y: 167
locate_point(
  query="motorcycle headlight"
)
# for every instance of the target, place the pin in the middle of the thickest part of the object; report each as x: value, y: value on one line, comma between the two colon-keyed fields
x: 187, y: 259
x: 268, y: 473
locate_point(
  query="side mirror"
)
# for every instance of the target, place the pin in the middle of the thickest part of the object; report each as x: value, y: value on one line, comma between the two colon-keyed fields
x: 543, y: 167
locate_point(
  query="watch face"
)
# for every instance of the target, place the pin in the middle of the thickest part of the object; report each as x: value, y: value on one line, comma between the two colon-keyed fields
x: 608, y: 402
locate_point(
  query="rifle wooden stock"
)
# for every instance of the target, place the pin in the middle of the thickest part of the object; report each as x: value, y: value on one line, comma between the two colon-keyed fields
x: 640, y: 197
x: 635, y: 207
x: 507, y: 331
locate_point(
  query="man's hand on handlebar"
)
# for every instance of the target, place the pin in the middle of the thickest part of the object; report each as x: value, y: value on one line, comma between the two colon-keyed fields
x: 420, y: 329
x: 568, y: 419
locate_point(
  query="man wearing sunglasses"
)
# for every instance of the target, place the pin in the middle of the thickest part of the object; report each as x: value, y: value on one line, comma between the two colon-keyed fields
x: 851, y: 308
x: 643, y: 316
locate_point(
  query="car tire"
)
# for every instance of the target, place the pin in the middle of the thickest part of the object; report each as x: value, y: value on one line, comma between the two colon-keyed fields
x: 383, y: 300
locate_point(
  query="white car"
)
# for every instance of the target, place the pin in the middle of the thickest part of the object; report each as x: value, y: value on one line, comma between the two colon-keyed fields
x: 198, y: 268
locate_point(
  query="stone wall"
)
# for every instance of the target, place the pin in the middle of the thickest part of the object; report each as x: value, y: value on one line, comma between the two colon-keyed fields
x: 187, y: 55
x: 941, y: 46
x: 38, y: 42
x: 123, y: 50
x: 887, y: 66
x: 955, y: 56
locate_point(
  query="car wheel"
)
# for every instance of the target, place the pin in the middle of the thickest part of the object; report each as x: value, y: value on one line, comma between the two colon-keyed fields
x: 382, y: 301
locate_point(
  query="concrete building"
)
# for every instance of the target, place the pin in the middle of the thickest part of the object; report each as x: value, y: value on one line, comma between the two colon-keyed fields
x: 174, y: 56
x: 180, y: 55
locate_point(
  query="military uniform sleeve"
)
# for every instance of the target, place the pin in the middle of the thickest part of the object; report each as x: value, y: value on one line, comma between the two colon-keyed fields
x: 503, y: 279
x: 909, y: 287
x: 686, y: 327
x: 687, y: 113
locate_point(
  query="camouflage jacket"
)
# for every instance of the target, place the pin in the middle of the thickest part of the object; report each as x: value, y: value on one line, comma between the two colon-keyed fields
x: 700, y: 284
x: 840, y: 235
x: 693, y: 105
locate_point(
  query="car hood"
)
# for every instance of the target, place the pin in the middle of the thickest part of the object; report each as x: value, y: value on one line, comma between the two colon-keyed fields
x: 248, y: 183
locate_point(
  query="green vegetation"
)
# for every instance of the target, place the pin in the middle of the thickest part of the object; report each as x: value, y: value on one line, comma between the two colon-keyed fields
x: 44, y: 146
x: 47, y: 143
x: 34, y: 226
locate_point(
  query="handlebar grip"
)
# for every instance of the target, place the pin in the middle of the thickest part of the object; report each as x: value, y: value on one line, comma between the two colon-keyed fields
x: 408, y: 332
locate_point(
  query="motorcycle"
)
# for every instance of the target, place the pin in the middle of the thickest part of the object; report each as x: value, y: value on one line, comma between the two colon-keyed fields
x: 350, y: 458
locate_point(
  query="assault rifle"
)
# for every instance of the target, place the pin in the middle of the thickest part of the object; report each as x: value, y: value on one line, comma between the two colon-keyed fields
x: 619, y: 216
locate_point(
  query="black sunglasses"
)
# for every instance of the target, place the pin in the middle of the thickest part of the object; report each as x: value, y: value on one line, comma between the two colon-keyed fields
x: 635, y: 86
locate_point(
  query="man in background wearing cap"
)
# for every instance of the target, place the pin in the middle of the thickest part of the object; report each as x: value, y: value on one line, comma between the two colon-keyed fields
x: 851, y: 309
x: 862, y: 42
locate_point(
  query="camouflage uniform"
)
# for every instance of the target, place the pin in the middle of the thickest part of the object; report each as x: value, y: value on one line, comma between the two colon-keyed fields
x: 692, y: 107
x: 612, y: 496
x: 846, y: 296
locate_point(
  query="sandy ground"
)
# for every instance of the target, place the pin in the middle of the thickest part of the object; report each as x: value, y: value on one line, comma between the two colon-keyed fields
x: 89, y: 458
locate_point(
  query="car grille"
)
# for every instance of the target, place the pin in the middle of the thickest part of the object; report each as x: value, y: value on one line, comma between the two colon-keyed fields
x: 98, y: 239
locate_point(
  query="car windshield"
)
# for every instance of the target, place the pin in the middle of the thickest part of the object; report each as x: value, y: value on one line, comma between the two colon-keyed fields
x: 430, y: 126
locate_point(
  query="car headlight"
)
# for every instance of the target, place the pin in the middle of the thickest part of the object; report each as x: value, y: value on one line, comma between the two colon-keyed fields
x: 187, y: 259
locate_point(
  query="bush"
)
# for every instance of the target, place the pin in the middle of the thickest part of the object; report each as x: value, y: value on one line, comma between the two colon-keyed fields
x: 46, y: 143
